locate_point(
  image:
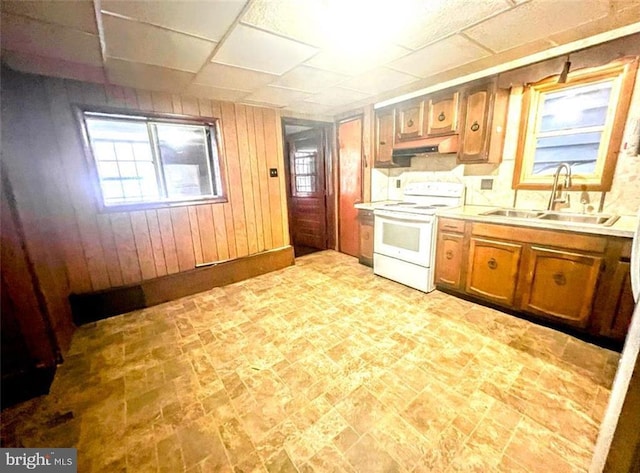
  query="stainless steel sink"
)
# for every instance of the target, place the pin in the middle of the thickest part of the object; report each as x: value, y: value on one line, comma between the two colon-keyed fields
x: 604, y: 220
x: 514, y: 213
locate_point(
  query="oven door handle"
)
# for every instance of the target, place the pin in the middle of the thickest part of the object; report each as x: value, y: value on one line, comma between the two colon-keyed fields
x: 403, y: 217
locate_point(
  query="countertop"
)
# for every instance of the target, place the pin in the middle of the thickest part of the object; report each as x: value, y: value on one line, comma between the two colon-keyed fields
x: 624, y: 227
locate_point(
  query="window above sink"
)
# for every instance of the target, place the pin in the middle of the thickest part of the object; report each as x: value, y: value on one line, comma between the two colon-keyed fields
x: 579, y: 122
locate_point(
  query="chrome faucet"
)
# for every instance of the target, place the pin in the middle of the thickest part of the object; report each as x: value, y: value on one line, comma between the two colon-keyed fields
x: 556, y: 195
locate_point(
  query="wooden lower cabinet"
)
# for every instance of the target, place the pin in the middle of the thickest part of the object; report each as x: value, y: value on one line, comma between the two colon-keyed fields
x: 581, y: 281
x: 493, y: 270
x: 365, y: 220
x: 561, y: 285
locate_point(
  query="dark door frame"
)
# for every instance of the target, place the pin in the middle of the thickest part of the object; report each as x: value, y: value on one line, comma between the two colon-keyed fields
x: 329, y: 173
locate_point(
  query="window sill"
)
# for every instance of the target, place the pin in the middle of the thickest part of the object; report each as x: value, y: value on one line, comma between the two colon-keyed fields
x: 160, y: 205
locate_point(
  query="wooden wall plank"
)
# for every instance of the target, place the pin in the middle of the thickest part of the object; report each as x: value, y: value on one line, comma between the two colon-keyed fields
x: 144, y: 100
x: 255, y: 178
x: 168, y: 241
x: 271, y: 146
x: 234, y: 178
x: 144, y: 249
x: 207, y: 234
x: 109, y: 247
x: 263, y: 183
x: 77, y: 270
x: 195, y: 232
x: 244, y: 158
x: 115, y: 96
x: 204, y: 107
x: 176, y: 103
x: 190, y: 106
x: 126, y: 247
x: 156, y: 242
x: 130, y: 98
x: 182, y: 237
x: 162, y: 102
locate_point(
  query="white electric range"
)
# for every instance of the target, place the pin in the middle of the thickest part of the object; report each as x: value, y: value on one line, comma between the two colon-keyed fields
x: 404, y: 233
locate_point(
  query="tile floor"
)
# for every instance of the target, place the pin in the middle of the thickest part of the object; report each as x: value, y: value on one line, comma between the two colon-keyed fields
x: 321, y: 367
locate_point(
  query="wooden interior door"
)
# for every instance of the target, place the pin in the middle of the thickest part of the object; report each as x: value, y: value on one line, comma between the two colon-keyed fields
x: 350, y: 184
x: 308, y: 212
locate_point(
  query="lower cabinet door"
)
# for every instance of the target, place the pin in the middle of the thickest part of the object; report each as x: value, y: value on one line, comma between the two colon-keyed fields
x: 493, y: 270
x: 561, y: 285
x: 449, y: 259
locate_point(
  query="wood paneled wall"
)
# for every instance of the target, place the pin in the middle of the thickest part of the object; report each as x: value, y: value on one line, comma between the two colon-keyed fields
x: 104, y: 250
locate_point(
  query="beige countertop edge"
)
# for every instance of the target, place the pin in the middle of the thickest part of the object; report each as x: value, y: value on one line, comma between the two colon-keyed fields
x: 624, y: 226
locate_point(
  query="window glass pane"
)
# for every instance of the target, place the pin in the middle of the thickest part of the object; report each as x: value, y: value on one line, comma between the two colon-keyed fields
x: 142, y: 152
x: 185, y: 158
x: 128, y: 169
x: 580, y: 150
x: 124, y: 151
x: 108, y: 169
x: 576, y: 107
x: 112, y: 190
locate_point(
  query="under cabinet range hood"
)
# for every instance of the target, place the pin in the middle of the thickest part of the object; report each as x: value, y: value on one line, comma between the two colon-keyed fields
x: 440, y: 145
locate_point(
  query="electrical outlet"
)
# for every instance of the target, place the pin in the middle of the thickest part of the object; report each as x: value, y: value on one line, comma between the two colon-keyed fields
x: 273, y: 172
x: 398, y: 183
x: 486, y: 184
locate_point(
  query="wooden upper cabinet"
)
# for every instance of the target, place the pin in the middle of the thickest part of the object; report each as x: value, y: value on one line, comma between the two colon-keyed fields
x: 483, y: 121
x: 493, y: 270
x: 561, y: 285
x: 384, y: 138
x: 410, y: 120
x: 443, y: 114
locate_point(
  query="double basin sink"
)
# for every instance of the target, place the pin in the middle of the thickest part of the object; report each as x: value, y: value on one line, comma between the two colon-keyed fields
x: 588, y: 219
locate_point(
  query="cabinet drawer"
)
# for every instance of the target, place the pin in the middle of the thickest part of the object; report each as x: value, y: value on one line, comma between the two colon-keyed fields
x: 561, y: 285
x: 493, y: 270
x: 451, y: 225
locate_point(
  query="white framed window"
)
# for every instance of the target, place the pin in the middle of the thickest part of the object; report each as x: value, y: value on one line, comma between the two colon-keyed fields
x: 153, y: 161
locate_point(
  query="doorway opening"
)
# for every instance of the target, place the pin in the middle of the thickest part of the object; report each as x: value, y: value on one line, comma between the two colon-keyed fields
x: 309, y: 190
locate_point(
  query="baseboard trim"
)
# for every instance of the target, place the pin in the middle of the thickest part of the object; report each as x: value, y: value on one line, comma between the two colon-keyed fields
x: 93, y: 306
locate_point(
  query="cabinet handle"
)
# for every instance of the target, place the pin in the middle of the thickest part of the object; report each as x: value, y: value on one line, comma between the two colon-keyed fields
x: 449, y: 227
x: 441, y: 117
x: 559, y: 278
x: 410, y: 123
x: 475, y: 126
x: 365, y: 236
x: 449, y: 254
x: 383, y: 142
x: 492, y: 263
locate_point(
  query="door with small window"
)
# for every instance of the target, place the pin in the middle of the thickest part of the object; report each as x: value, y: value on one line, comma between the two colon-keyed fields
x: 308, y: 218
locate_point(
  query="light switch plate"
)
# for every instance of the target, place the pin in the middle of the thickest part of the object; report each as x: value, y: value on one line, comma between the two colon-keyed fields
x: 486, y: 184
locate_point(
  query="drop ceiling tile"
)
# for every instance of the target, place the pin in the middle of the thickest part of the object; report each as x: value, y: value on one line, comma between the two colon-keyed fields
x: 138, y: 42
x: 79, y: 14
x: 378, y: 80
x: 337, y: 96
x: 300, y: 20
x: 143, y: 76
x: 206, y: 19
x: 436, y: 20
x: 351, y: 61
x: 535, y: 20
x: 439, y: 57
x: 24, y: 35
x: 277, y: 96
x: 215, y: 93
x: 54, y: 67
x: 309, y: 79
x: 254, y: 49
x: 310, y: 108
x: 219, y: 75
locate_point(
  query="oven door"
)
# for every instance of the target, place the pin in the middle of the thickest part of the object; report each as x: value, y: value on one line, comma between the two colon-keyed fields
x: 406, y: 237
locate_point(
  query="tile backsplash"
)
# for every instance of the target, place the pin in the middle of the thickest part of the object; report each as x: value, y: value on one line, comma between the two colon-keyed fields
x: 623, y: 198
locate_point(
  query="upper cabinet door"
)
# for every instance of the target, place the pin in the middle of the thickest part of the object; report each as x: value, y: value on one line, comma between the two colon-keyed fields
x: 443, y: 114
x: 410, y: 120
x: 484, y: 115
x: 384, y: 138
